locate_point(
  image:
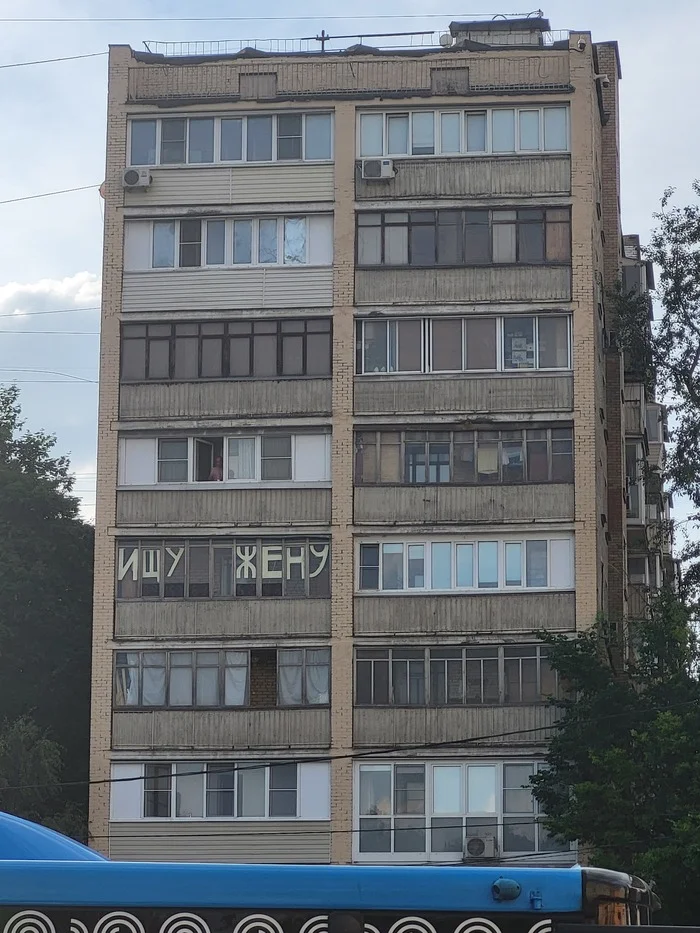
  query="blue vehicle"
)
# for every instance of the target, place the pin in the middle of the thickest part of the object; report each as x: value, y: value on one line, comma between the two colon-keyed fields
x: 121, y: 897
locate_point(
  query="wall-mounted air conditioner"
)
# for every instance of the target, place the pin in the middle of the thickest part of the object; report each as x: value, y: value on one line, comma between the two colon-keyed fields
x: 136, y: 178
x: 377, y: 169
x: 479, y: 847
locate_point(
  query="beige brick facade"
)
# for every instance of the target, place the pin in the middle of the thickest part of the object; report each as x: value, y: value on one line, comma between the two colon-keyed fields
x: 584, y: 178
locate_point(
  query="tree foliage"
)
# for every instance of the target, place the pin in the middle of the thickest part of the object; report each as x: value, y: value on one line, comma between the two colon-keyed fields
x: 667, y: 356
x: 623, y: 767
x: 45, y: 609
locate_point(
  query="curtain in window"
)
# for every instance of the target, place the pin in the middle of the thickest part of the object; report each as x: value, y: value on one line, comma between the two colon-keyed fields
x: 241, y: 458
x: 235, y: 686
x: 154, y: 686
x: 317, y: 684
x: 290, y: 690
x: 127, y: 687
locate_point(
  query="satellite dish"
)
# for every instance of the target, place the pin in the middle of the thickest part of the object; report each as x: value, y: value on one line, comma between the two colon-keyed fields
x: 445, y: 40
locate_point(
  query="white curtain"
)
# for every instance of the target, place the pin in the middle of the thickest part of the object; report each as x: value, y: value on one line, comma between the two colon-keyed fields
x: 290, y: 692
x: 241, y: 458
x: 235, y: 686
x: 317, y: 684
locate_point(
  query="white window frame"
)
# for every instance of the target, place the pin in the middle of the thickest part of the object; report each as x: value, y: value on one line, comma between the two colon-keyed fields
x: 217, y: 118
x: 565, y: 856
x: 427, y: 346
x: 464, y: 152
x: 475, y: 540
x: 254, y: 482
x: 228, y: 244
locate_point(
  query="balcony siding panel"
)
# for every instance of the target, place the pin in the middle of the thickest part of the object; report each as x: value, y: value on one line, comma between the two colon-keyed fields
x: 223, y: 506
x: 227, y: 289
x: 471, y: 177
x: 234, y: 184
x: 145, y: 401
x: 385, y: 727
x: 461, y: 286
x: 502, y: 613
x: 283, y: 842
x: 463, y: 394
x: 230, y: 618
x: 460, y: 504
x: 214, y: 729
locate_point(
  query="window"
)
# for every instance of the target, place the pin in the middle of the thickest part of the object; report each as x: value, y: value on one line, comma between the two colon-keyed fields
x: 472, y: 237
x: 451, y: 345
x: 505, y: 456
x: 455, y: 565
x: 208, y: 140
x: 421, y: 811
x: 634, y: 466
x: 226, y: 350
x: 453, y: 676
x: 242, y: 678
x: 232, y: 242
x: 270, y: 458
x: 497, y: 130
x: 201, y: 568
x: 225, y: 790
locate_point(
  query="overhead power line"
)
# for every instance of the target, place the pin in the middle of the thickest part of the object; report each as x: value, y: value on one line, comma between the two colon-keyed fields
x: 54, y: 333
x: 45, y: 372
x: 48, y: 61
x: 19, y: 314
x: 238, y: 19
x: 48, y: 194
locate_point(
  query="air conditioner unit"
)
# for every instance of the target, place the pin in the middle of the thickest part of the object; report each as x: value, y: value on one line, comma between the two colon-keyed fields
x: 377, y: 169
x: 136, y: 178
x: 477, y: 848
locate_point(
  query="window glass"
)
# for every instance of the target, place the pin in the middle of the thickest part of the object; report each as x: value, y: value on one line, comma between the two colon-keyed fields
x: 447, y: 345
x: 513, y: 554
x: 441, y: 570
x: 476, y: 132
x: 450, y: 238
x: 190, y: 243
x: 369, y: 566
x: 395, y: 246
x: 283, y: 790
x: 536, y: 563
x: 530, y: 237
x: 372, y: 134
x: 481, y: 789
x: 481, y: 344
x: 189, y: 785
x: 422, y: 239
x: 163, y: 244
x: 133, y: 359
x: 276, y: 457
x: 241, y: 458
x: 447, y: 789
x: 374, y: 335
x: 243, y: 240
x: 477, y: 238
x: 392, y: 567
x: 172, y: 460
x: 488, y: 564
x: 251, y: 791
x: 555, y: 130
x: 505, y: 236
x: 259, y: 139
x: 529, y: 128
x: 519, y: 342
x: 173, y: 134
x: 416, y: 566
x: 236, y: 678
x: 231, y: 139
x: 317, y: 136
x: 450, y: 132
x: 553, y: 342
x: 408, y: 337
x: 220, y: 783
x: 503, y: 131
x: 143, y: 142
x: 207, y: 681
x: 397, y: 134
x: 267, y: 241
x: 369, y: 239
x: 294, y: 240
x: 289, y: 136
x: 157, y: 790
x: 465, y: 565
x: 201, y: 140
x: 423, y: 133
x: 216, y: 242
x: 181, y: 679
x: 375, y: 790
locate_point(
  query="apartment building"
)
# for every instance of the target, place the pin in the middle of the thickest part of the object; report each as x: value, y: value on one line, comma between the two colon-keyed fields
x: 361, y: 439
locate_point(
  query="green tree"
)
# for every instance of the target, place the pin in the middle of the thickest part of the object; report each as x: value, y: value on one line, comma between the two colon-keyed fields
x: 46, y: 555
x: 623, y: 772
x: 667, y: 355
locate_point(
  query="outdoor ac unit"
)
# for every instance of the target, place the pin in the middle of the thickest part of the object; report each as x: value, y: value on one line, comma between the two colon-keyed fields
x: 377, y: 169
x: 136, y: 178
x: 479, y: 847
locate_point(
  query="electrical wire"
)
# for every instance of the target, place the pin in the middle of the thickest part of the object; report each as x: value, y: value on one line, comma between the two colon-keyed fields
x: 370, y: 753
x: 239, y: 19
x: 48, y: 194
x: 48, y: 61
x: 46, y: 372
x: 21, y: 314
x: 53, y: 333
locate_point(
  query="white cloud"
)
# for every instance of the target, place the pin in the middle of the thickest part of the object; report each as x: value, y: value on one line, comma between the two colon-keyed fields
x: 81, y: 290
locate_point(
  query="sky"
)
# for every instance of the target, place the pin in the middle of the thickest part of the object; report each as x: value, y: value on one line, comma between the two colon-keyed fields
x: 53, y: 138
